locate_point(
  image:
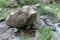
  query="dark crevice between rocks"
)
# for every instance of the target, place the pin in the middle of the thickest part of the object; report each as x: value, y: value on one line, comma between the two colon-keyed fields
x: 51, y: 2
x: 29, y: 32
x: 2, y: 20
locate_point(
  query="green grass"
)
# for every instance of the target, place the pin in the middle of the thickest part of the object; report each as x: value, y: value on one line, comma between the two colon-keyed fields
x: 46, y: 33
x: 27, y: 2
x: 41, y: 9
x: 4, y: 14
x: 4, y: 3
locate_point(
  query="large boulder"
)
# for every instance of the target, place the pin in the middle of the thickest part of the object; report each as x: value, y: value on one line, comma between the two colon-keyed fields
x: 26, y: 16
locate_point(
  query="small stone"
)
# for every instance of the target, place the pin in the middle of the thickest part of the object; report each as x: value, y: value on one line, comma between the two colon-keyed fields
x: 47, y: 8
x: 15, y: 29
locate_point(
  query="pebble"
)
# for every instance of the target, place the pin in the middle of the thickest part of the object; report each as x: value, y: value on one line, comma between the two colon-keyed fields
x: 15, y: 29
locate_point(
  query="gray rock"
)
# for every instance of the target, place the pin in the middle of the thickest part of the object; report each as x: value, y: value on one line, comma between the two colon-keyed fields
x: 3, y: 27
x: 57, y: 1
x: 26, y: 16
x: 8, y: 35
x: 55, y: 36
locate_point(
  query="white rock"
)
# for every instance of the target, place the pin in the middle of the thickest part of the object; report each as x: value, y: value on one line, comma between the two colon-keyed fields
x: 36, y: 6
x: 15, y: 29
x: 47, y: 8
x: 57, y: 27
x: 16, y: 38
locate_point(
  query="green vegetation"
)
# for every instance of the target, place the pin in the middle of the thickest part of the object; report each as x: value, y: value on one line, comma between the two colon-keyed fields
x: 43, y: 11
x: 24, y: 36
x: 4, y: 2
x: 46, y: 33
x: 4, y: 14
x: 28, y: 2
